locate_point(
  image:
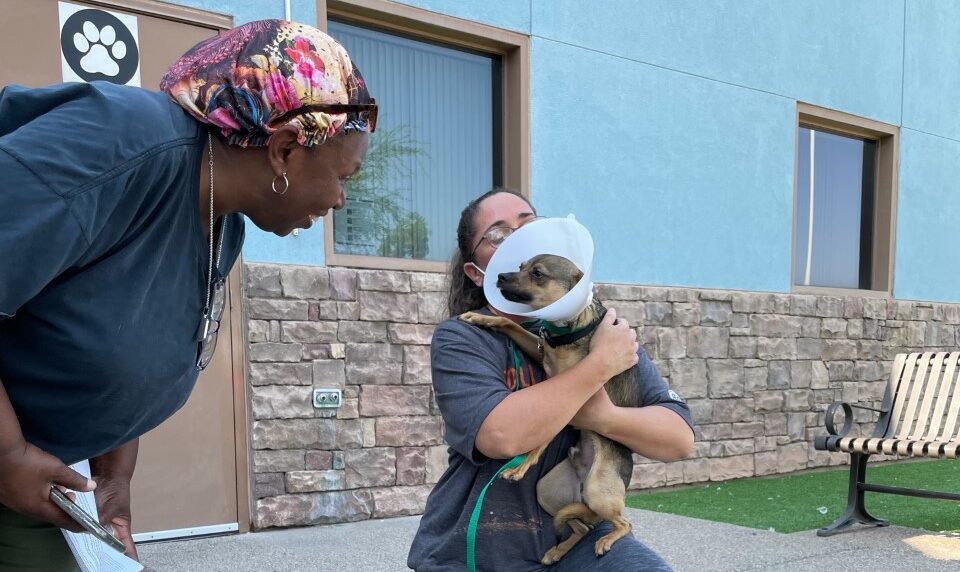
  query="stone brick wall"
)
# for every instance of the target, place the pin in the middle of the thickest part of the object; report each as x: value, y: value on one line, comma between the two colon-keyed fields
x: 757, y: 370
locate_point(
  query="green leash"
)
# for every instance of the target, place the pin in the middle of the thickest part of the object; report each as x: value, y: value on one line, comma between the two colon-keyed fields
x: 514, y: 462
x: 475, y: 517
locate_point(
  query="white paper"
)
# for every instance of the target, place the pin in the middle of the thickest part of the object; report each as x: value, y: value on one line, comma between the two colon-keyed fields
x: 92, y: 554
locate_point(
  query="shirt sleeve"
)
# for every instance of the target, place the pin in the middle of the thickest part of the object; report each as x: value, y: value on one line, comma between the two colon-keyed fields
x: 468, y: 382
x: 39, y: 235
x: 654, y: 390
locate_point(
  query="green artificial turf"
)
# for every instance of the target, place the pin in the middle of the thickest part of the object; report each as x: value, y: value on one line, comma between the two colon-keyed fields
x: 813, y: 500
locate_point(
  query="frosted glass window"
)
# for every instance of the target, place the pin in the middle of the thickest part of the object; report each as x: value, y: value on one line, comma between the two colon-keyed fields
x: 436, y: 147
x: 834, y: 217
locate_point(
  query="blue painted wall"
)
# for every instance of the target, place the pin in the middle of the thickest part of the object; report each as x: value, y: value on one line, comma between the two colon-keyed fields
x: 688, y: 149
x: 247, y: 10
x: 928, y: 244
x: 510, y: 14
x: 668, y: 127
x: 843, y: 55
x: 645, y: 164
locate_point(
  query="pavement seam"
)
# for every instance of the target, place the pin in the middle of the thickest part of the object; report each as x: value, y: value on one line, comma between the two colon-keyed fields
x: 766, y: 566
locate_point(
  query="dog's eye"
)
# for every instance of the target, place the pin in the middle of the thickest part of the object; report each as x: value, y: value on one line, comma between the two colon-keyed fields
x: 536, y: 273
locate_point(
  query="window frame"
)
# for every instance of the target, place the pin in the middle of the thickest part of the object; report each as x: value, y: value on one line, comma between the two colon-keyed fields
x: 887, y: 138
x: 203, y: 18
x: 513, y: 48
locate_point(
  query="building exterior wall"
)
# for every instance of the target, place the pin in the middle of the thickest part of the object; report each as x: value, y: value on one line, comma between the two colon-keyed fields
x: 757, y: 370
x: 670, y: 130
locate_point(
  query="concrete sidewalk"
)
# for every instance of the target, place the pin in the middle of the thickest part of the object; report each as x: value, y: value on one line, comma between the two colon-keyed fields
x: 687, y: 544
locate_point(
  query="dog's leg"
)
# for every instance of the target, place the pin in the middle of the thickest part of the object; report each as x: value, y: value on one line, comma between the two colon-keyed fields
x: 526, y: 341
x: 621, y: 526
x: 604, y: 492
x: 576, y: 515
x: 581, y: 519
x: 517, y: 473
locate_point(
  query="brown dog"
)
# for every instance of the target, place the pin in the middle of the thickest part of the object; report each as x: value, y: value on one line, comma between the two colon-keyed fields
x: 597, y: 466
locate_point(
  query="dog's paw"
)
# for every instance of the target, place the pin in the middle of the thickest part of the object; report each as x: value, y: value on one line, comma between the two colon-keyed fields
x: 603, y: 545
x: 483, y: 320
x: 514, y: 474
x: 553, y: 556
x: 472, y: 318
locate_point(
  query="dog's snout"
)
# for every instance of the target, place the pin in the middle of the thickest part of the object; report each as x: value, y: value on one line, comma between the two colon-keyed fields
x: 504, y: 277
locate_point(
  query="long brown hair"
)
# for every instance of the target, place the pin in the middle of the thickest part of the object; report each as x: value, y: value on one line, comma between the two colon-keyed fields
x: 464, y: 294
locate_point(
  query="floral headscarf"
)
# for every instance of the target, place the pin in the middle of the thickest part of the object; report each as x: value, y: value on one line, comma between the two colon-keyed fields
x: 251, y: 80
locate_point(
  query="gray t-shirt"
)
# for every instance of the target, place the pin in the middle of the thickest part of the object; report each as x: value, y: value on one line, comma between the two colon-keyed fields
x: 103, y: 262
x: 473, y: 370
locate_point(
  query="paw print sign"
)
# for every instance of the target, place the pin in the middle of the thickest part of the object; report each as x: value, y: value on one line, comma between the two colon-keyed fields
x: 98, y: 45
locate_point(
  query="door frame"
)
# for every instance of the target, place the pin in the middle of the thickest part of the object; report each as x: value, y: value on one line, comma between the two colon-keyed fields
x: 241, y: 402
x: 167, y: 11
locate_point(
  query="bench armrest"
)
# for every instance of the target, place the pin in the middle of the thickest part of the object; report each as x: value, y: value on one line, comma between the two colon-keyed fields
x: 847, y: 416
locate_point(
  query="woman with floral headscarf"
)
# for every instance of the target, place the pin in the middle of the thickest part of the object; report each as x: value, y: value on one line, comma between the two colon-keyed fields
x: 121, y: 212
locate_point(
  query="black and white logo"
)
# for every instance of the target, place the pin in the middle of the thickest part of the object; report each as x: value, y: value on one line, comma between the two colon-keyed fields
x: 98, y: 45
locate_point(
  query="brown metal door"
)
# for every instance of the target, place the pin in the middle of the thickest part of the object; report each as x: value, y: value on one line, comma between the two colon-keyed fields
x: 192, y: 472
x: 191, y: 477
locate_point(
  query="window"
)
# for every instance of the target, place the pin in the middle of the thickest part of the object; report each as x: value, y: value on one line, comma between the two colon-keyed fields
x: 442, y: 136
x: 845, y: 199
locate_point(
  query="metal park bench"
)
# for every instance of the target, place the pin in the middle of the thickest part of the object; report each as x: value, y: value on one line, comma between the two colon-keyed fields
x: 918, y: 418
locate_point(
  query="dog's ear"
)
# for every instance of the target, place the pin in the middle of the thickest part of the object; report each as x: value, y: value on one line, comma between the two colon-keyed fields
x: 575, y: 278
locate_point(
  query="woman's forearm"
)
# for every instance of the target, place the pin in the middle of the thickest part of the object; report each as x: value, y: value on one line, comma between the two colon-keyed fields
x: 533, y: 416
x: 652, y: 431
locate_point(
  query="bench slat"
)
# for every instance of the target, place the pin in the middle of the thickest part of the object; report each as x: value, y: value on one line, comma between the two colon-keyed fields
x: 930, y: 387
x: 950, y: 450
x: 951, y: 426
x: 918, y: 382
x: 887, y: 446
x: 900, y: 382
x: 944, y: 432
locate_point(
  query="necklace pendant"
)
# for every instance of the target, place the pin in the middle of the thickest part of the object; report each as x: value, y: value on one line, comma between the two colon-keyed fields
x: 206, y: 324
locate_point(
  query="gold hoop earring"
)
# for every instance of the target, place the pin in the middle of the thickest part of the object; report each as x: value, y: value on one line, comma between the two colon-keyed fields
x: 286, y: 184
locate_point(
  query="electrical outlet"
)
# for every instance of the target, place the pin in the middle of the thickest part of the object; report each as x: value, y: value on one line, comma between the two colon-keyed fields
x: 327, y: 398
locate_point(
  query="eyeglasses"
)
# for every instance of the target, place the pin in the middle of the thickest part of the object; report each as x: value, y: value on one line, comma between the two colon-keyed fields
x: 365, y: 112
x: 210, y: 326
x: 496, y: 235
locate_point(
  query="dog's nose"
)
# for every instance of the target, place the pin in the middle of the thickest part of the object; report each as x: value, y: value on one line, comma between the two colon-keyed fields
x: 502, y: 278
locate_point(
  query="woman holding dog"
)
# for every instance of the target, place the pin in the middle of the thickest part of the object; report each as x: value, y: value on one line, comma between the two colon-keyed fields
x: 497, y: 404
x: 121, y: 213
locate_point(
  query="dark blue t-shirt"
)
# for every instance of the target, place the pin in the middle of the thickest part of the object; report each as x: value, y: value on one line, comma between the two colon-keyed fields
x: 473, y: 371
x: 103, y: 262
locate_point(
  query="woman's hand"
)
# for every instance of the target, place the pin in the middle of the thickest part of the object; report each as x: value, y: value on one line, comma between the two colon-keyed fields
x: 614, y: 346
x: 26, y: 475
x: 113, y: 506
x: 112, y: 471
